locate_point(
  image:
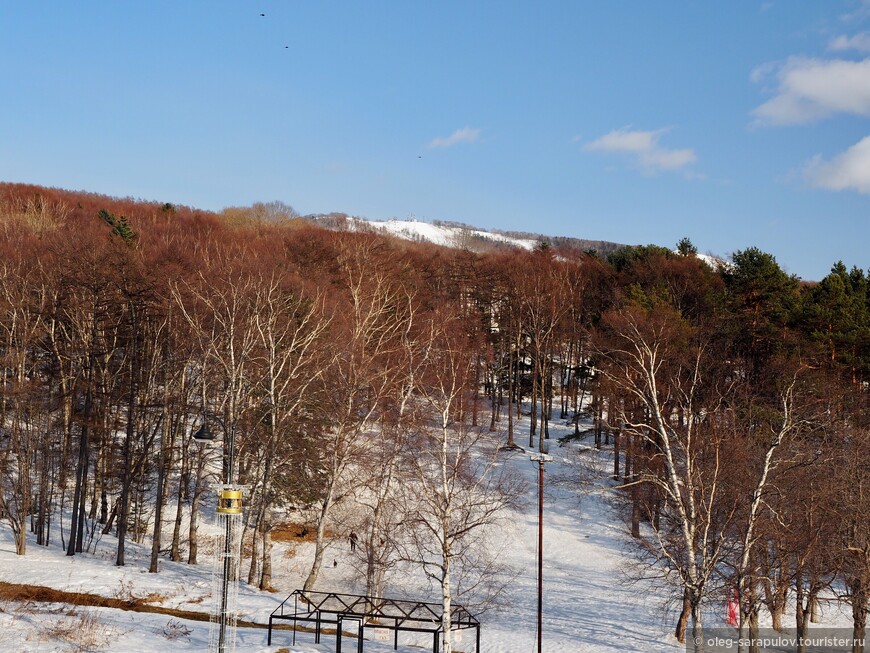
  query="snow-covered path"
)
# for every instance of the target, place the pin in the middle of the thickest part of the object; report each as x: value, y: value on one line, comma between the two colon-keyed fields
x: 587, y: 604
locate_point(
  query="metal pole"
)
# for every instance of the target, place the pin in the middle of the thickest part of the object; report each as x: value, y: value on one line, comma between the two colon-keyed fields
x: 229, y: 443
x: 224, y: 586
x: 540, y: 459
x: 229, y: 506
x: 540, y: 549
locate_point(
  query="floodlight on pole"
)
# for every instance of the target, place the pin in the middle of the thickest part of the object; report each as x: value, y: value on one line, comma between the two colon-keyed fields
x: 203, y: 434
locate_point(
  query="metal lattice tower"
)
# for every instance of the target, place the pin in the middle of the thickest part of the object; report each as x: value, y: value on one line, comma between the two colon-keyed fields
x: 225, y: 576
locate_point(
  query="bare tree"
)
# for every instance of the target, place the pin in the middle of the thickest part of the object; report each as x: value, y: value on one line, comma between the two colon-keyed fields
x: 459, y: 489
x: 853, y: 484
x: 22, y: 302
x: 290, y: 330
x: 219, y: 309
x: 362, y: 374
x: 762, y: 467
x: 654, y: 356
x: 544, y: 301
x: 383, y: 462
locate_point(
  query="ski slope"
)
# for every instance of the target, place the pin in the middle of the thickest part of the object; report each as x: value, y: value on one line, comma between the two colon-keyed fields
x: 588, y: 606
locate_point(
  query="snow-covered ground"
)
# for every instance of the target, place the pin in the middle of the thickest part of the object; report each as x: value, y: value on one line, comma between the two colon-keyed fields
x: 588, y: 606
x: 445, y: 235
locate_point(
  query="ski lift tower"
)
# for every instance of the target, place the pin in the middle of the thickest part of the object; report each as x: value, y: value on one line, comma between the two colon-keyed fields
x: 225, y: 574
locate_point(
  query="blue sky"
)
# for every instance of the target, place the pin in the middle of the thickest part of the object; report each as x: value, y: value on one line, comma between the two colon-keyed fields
x: 737, y: 123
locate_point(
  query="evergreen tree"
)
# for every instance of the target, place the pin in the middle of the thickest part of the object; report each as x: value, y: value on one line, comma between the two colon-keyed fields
x: 836, y: 317
x: 119, y: 226
x: 686, y: 248
x: 762, y: 300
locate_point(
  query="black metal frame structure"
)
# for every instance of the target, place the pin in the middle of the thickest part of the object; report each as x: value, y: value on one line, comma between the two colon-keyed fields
x: 392, y: 614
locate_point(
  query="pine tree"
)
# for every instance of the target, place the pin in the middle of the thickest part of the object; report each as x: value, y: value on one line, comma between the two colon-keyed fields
x: 686, y: 248
x: 119, y: 225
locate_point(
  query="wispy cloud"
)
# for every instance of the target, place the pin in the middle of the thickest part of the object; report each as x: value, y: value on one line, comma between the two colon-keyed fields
x: 464, y: 135
x: 812, y: 89
x: 849, y: 170
x: 644, y: 148
x: 860, y: 13
x: 859, y: 42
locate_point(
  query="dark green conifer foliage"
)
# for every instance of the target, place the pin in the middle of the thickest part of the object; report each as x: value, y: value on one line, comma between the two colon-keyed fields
x: 762, y: 301
x: 624, y: 257
x: 686, y: 248
x: 119, y: 226
x: 837, y: 317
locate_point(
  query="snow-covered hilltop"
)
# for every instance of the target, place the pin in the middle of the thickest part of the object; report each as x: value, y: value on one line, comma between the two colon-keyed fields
x: 451, y: 234
x: 438, y: 234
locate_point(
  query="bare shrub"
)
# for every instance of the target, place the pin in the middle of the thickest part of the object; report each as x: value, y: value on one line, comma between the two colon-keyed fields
x: 81, y: 630
x: 125, y: 590
x: 174, y: 630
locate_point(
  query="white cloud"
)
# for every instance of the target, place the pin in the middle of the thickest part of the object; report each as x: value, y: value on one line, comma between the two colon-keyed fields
x: 644, y: 147
x: 847, y: 171
x: 760, y: 73
x: 811, y: 89
x: 859, y: 42
x: 464, y: 135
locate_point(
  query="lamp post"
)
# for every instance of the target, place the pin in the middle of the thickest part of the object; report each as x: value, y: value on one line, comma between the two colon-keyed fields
x: 229, y: 510
x: 541, y: 459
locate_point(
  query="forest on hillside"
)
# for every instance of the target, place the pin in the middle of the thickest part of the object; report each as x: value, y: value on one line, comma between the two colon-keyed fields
x: 359, y: 367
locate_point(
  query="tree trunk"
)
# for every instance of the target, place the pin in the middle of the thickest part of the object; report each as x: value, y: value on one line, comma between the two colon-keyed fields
x: 753, y: 632
x: 635, y: 512
x: 859, y: 615
x: 446, y: 599
x: 597, y: 401
x: 475, y: 400
x: 697, y: 626
x: 162, y: 489
x: 126, y: 480
x: 494, y: 397
x: 254, y: 569
x: 617, y: 437
x: 533, y: 409
x: 174, y: 549
x: 546, y: 407
x: 266, y: 576
x: 319, y: 542
x: 802, y: 613
x: 76, y: 529
x: 683, y: 620
x: 193, y: 545
x: 510, y: 413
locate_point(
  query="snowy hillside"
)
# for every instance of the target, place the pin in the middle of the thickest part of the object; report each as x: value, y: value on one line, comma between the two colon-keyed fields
x: 587, y: 606
x: 474, y: 239
x: 449, y: 234
x: 438, y: 234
